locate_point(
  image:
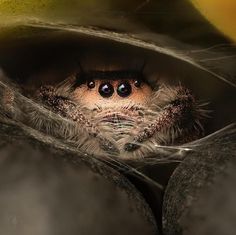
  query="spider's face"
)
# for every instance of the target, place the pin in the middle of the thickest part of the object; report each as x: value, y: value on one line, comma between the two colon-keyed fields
x: 119, y: 112
x: 112, y: 89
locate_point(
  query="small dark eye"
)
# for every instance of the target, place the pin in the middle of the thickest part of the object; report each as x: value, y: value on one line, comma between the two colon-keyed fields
x: 137, y: 83
x: 106, y: 90
x: 91, y: 84
x: 124, y: 89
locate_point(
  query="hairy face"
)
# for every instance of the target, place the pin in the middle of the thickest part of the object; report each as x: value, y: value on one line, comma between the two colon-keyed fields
x: 118, y: 113
x: 106, y: 88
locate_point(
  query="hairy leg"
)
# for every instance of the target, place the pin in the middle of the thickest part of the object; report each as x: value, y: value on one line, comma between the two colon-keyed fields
x: 68, y: 109
x: 178, y: 121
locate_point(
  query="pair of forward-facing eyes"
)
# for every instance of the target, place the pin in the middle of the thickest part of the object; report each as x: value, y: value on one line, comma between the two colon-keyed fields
x: 123, y: 88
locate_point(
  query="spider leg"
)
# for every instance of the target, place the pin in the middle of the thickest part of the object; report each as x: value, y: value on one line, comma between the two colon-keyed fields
x: 68, y: 109
x: 7, y: 101
x: 176, y: 120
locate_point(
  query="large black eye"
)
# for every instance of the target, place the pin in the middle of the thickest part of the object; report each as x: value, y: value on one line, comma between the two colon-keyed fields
x: 124, y: 89
x: 106, y: 90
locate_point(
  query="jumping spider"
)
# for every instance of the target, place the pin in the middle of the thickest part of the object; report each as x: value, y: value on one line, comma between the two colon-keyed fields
x: 119, y: 113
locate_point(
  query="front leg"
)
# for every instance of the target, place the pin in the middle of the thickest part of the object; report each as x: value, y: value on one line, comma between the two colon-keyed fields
x: 178, y: 122
x: 68, y: 109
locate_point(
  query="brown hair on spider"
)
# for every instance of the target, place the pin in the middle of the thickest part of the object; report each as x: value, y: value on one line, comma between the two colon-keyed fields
x: 119, y: 113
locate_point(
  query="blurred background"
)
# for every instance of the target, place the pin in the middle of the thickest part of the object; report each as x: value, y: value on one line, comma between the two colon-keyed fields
x: 196, y: 22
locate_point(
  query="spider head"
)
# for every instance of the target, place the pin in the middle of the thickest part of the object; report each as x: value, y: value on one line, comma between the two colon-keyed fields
x: 109, y: 89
